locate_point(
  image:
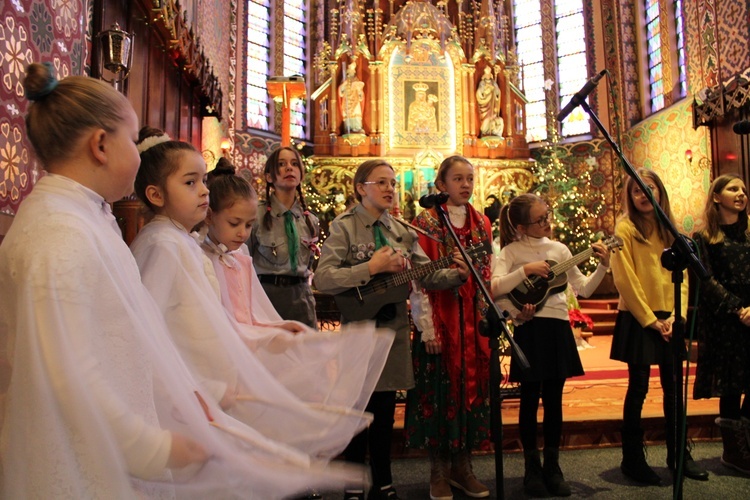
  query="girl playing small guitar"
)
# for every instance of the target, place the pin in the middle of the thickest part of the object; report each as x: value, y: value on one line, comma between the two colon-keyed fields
x: 363, y: 242
x: 544, y: 334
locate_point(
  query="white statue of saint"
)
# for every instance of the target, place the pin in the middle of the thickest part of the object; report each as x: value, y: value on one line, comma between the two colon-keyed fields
x: 489, y: 103
x: 352, y: 97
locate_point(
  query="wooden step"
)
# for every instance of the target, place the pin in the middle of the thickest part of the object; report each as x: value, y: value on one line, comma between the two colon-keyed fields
x: 598, y: 303
x: 604, y: 327
x: 600, y: 314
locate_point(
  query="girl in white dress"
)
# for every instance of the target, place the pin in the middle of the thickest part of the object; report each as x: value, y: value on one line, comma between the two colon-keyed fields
x: 181, y: 279
x: 97, y: 402
x: 323, y: 367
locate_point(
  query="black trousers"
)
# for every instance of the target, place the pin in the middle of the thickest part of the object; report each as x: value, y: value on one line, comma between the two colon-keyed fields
x: 377, y: 437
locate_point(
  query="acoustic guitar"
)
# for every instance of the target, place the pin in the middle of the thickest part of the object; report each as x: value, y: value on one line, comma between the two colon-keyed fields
x: 364, y: 302
x: 535, y: 289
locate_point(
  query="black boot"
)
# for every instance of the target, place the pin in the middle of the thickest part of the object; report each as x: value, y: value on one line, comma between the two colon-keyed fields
x: 533, y: 477
x: 553, y: 476
x: 634, y: 463
x: 690, y: 469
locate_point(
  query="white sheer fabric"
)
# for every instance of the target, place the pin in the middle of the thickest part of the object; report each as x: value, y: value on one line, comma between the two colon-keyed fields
x: 172, y: 268
x: 333, y: 368
x: 92, y: 384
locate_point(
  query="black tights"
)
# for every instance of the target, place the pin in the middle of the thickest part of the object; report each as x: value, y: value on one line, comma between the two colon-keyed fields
x: 551, y: 392
x: 730, y: 407
x: 638, y: 376
x: 382, y: 405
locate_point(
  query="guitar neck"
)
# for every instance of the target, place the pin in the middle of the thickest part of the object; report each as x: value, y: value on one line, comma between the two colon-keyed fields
x: 418, y: 272
x: 563, y: 267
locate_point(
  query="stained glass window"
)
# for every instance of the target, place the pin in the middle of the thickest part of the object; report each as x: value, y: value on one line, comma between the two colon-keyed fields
x: 680, y: 36
x: 295, y: 41
x: 571, y: 65
x: 654, y: 47
x: 528, y: 23
x: 258, y: 62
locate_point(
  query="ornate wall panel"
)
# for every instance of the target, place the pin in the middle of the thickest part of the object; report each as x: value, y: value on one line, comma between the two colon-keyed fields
x: 213, y: 26
x: 733, y: 29
x: 659, y: 143
x: 32, y: 31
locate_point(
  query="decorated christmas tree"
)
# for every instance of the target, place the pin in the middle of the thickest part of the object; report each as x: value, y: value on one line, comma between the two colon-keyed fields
x: 563, y: 184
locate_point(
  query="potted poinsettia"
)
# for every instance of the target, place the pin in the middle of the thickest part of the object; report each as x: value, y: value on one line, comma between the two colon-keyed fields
x: 578, y: 320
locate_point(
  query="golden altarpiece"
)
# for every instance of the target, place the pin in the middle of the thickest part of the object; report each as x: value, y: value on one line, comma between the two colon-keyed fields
x: 414, y: 82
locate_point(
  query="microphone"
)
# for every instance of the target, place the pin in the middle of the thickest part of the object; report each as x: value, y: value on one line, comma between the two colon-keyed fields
x: 580, y: 96
x: 741, y: 128
x: 430, y: 200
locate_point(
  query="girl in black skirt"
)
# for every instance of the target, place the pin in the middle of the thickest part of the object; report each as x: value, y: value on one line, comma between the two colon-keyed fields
x: 644, y: 322
x: 542, y: 331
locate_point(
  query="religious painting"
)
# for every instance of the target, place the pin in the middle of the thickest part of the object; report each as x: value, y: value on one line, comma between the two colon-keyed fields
x: 422, y: 99
x: 421, y: 93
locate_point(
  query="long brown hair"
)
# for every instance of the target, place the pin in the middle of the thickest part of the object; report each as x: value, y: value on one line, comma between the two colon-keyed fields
x: 644, y: 225
x: 712, y: 232
x: 271, y: 169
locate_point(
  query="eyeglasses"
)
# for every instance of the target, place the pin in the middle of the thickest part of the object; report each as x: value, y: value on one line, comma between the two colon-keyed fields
x: 383, y: 184
x: 541, y: 220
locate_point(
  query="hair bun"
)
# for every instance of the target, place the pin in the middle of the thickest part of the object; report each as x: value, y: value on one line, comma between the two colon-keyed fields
x: 40, y: 81
x: 224, y: 167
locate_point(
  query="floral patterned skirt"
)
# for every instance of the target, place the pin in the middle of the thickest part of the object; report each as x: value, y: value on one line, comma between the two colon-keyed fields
x: 434, y: 419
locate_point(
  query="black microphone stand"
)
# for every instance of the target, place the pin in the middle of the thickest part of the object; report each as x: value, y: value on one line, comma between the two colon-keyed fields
x: 496, y: 329
x: 675, y: 259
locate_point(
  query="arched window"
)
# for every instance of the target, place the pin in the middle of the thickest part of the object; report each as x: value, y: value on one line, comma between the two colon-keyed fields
x: 258, y: 63
x: 295, y: 45
x: 665, y: 40
x: 262, y: 43
x: 555, y: 39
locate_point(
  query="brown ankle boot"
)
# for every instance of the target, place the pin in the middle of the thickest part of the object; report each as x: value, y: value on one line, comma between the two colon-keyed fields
x: 440, y: 469
x: 462, y: 476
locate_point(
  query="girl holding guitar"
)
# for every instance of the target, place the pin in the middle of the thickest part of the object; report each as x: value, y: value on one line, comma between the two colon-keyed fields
x: 542, y: 331
x: 364, y: 242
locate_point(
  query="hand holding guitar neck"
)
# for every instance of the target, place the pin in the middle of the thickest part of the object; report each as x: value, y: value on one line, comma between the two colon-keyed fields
x: 602, y: 252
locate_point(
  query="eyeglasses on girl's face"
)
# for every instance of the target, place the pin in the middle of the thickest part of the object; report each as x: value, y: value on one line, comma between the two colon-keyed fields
x: 383, y: 184
x: 541, y: 221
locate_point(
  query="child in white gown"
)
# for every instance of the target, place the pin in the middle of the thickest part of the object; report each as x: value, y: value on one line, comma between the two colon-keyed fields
x: 333, y: 368
x: 175, y: 270
x: 97, y: 403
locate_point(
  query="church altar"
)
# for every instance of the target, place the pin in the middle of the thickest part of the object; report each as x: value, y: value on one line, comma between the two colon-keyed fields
x: 415, y: 82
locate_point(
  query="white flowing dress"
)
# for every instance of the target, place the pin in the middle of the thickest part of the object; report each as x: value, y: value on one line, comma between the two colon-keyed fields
x: 91, y: 384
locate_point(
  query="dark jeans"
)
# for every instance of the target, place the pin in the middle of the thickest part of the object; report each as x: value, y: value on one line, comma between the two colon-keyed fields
x: 551, y: 393
x: 378, y: 436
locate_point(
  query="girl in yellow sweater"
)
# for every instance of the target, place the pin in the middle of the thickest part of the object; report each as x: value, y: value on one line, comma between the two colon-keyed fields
x: 644, y: 322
